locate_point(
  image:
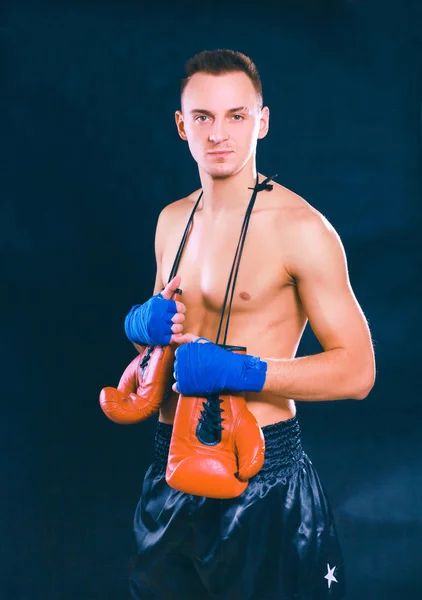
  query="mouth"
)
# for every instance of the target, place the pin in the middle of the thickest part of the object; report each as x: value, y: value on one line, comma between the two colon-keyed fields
x: 220, y: 153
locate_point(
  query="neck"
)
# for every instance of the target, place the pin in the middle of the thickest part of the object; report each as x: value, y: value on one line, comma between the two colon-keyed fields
x: 224, y: 196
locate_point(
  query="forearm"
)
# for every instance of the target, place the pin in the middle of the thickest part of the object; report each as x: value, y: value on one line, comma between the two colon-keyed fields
x: 330, y: 375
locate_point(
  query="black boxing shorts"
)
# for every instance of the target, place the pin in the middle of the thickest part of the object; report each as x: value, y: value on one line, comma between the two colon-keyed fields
x: 276, y: 541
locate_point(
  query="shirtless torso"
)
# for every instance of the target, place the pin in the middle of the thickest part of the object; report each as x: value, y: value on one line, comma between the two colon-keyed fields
x: 267, y: 314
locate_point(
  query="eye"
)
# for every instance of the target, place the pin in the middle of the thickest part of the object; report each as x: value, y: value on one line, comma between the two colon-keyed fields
x: 201, y: 118
x: 238, y: 117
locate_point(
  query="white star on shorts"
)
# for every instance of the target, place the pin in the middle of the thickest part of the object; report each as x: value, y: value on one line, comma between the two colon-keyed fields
x: 330, y: 575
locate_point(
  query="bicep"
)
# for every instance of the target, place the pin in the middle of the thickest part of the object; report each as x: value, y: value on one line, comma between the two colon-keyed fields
x: 169, y: 217
x: 158, y: 285
x: 159, y: 247
x: 324, y: 288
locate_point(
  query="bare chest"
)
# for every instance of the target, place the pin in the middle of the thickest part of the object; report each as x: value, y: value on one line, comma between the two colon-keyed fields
x: 208, y: 260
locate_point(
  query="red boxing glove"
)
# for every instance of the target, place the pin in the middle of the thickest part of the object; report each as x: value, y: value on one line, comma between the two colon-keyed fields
x: 216, y: 445
x: 143, y: 387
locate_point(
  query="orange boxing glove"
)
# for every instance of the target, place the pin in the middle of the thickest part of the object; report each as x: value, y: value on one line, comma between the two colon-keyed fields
x: 144, y: 385
x: 216, y: 445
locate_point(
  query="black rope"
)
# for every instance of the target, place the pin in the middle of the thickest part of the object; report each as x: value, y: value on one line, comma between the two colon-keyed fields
x: 259, y: 187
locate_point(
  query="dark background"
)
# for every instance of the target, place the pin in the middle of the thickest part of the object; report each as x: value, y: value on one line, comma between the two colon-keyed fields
x: 90, y: 155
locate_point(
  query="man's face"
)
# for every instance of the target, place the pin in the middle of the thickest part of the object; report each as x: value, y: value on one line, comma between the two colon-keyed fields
x: 221, y: 121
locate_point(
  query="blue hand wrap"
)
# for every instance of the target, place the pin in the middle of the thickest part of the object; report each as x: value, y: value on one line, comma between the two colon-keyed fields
x: 203, y: 369
x: 150, y: 323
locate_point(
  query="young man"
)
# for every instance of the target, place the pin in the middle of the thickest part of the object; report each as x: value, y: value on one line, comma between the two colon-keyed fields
x: 278, y: 538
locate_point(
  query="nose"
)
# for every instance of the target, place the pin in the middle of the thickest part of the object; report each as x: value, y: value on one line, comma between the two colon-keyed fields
x: 218, y: 132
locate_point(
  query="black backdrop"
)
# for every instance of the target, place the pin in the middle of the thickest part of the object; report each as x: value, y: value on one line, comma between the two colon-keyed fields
x: 90, y: 155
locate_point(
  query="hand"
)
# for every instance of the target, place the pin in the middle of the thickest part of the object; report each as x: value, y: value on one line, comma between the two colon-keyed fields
x: 202, y: 368
x: 184, y: 339
x: 159, y: 321
x: 179, y: 317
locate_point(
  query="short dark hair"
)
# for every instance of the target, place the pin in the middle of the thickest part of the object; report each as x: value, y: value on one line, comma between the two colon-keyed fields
x: 219, y: 62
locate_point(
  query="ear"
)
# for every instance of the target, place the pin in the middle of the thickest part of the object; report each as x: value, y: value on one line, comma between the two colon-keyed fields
x: 264, y: 122
x: 180, y: 124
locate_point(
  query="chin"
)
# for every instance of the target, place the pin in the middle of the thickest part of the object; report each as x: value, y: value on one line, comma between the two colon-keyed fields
x: 221, y: 171
x: 215, y: 175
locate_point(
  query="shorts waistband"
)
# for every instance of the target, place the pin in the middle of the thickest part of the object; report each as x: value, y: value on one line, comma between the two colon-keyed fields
x: 283, y: 448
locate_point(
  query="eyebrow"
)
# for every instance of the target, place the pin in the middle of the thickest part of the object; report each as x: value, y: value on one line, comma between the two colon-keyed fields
x: 230, y: 111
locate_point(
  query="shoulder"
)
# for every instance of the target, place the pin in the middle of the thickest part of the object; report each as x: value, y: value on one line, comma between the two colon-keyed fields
x: 299, y: 218
x: 171, y: 216
x: 180, y: 206
x: 176, y: 212
x: 306, y: 235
